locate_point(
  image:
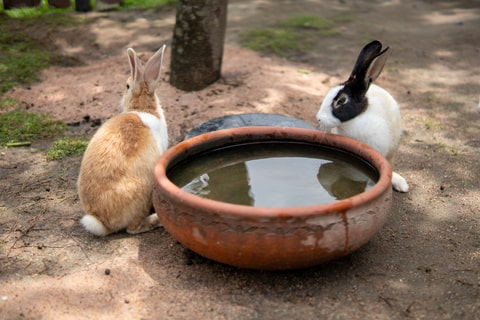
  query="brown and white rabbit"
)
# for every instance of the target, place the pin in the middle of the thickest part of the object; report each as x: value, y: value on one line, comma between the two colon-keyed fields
x: 364, y: 111
x: 116, y: 175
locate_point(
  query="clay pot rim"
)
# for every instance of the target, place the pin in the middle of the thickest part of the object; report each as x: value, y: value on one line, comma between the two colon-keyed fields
x: 268, y: 133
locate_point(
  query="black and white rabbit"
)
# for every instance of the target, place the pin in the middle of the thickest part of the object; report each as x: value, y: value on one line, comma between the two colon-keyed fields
x: 364, y: 111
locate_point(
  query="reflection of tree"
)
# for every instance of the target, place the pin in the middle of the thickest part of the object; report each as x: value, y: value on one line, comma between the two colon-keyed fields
x: 231, y: 184
x: 341, y: 180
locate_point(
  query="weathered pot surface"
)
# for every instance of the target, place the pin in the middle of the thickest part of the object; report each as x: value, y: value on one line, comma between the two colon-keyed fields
x: 271, y: 238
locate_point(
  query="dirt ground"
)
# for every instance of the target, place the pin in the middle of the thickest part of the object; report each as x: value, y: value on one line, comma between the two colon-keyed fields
x: 424, y: 263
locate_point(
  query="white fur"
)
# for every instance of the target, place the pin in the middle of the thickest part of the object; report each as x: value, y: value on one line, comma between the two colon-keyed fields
x: 94, y: 225
x: 325, y: 118
x: 158, y: 127
x: 379, y: 126
x: 399, y: 183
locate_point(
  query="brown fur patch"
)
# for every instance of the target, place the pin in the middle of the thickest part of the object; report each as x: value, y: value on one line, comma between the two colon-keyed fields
x: 116, y: 176
x: 143, y: 101
x: 133, y: 134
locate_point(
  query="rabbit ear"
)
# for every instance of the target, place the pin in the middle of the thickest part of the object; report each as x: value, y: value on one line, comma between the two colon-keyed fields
x: 368, y: 66
x: 368, y: 53
x: 377, y: 65
x: 136, y: 69
x: 153, y: 68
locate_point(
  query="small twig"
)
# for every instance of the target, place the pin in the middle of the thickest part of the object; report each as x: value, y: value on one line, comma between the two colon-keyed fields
x: 409, y: 308
x: 12, y: 229
x: 27, y: 265
x: 387, y: 301
x: 18, y: 144
x: 25, y: 233
x: 35, y: 184
x: 68, y: 198
x: 42, y: 246
x: 81, y: 247
x: 53, y: 247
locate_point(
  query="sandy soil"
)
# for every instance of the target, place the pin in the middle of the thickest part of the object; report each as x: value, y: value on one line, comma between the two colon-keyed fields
x: 424, y: 263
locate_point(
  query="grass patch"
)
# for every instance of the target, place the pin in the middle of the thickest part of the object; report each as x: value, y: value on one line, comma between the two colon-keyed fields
x: 25, y: 48
x: 269, y: 40
x: 450, y: 149
x: 307, y: 22
x: 22, y: 55
x: 7, y: 102
x: 23, y: 127
x: 20, y: 61
x: 33, y: 12
x: 145, y: 4
x: 65, y: 147
x: 294, y: 35
x: 44, y: 9
x: 431, y: 124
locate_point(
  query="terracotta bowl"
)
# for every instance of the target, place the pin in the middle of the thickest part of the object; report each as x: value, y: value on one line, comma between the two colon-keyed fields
x: 271, y: 238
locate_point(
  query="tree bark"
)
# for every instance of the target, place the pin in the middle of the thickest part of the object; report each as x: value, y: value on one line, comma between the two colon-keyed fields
x: 197, y: 46
x: 82, y: 5
x: 10, y: 4
x: 59, y: 3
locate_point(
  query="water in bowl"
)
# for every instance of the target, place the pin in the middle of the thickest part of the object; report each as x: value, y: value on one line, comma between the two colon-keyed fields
x: 274, y: 174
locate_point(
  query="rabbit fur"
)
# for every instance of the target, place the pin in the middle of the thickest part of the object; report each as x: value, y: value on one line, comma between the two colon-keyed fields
x: 116, y: 177
x: 364, y: 111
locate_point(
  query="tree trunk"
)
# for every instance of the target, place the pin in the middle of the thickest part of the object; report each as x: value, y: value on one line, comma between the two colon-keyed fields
x: 197, y: 47
x: 10, y: 4
x: 82, y: 5
x: 59, y: 3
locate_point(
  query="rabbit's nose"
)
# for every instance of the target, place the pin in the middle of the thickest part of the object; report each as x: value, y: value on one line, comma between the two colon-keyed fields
x: 322, y: 122
x: 326, y: 123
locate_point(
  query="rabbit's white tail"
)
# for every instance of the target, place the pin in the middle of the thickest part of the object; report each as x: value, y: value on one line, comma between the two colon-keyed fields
x: 94, y: 225
x: 399, y: 183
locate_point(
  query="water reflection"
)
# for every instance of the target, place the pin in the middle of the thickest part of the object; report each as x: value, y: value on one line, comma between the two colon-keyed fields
x: 275, y: 175
x: 229, y: 184
x: 342, y: 181
x: 286, y: 182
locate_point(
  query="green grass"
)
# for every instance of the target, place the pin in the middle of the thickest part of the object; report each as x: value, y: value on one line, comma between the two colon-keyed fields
x: 22, y: 56
x: 44, y: 8
x: 453, y: 151
x: 145, y: 4
x: 294, y: 35
x: 20, y: 61
x: 20, y: 126
x: 431, y: 124
x: 32, y: 12
x: 307, y: 22
x: 7, y: 102
x: 65, y: 147
x: 269, y: 40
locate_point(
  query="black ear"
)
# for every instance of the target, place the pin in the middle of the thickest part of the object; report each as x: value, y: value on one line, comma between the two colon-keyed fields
x: 367, y: 68
x: 350, y: 100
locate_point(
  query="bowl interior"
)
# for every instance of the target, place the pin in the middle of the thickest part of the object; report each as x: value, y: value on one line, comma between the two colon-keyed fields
x: 276, y: 173
x: 181, y: 155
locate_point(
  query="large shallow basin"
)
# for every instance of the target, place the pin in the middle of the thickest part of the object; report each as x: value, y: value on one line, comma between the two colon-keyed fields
x: 267, y: 237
